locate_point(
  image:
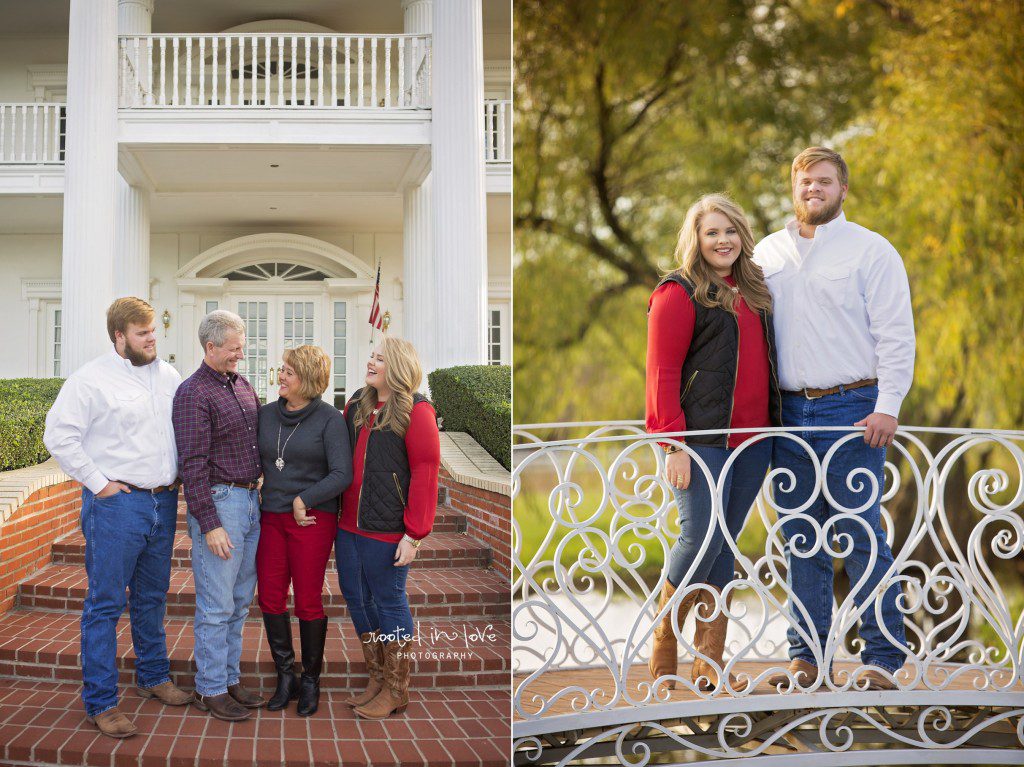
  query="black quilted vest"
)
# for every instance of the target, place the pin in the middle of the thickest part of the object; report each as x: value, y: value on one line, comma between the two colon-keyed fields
x: 386, y: 475
x: 709, y: 370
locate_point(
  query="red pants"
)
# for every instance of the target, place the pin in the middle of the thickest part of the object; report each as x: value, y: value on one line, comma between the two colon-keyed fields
x: 289, y: 553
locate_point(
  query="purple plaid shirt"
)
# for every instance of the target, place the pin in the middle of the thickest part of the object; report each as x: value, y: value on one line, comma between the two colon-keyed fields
x: 215, y: 418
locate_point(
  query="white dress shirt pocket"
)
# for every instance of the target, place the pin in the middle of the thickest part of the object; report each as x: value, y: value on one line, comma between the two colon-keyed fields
x: 834, y: 286
x: 131, y: 408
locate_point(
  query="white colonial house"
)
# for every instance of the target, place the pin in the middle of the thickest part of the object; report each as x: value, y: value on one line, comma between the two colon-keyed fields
x: 261, y: 156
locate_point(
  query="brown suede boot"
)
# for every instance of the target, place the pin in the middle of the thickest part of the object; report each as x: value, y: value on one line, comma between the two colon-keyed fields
x: 803, y: 672
x: 664, y: 653
x: 709, y: 640
x: 394, y: 695
x: 113, y: 724
x: 373, y: 653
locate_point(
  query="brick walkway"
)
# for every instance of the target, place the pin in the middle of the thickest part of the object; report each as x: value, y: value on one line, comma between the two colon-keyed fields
x: 459, y: 693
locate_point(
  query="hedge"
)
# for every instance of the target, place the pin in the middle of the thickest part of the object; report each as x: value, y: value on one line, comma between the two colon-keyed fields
x: 477, y: 399
x: 24, y: 403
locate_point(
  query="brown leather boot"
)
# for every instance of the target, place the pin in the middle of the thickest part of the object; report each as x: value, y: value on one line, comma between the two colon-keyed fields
x: 113, y: 724
x: 167, y: 694
x: 803, y: 672
x: 394, y: 695
x: 664, y: 653
x: 373, y: 653
x: 222, y: 706
x: 245, y: 697
x: 709, y: 640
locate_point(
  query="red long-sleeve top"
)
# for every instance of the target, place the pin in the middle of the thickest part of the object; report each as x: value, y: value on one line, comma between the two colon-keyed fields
x: 423, y: 445
x: 671, y: 318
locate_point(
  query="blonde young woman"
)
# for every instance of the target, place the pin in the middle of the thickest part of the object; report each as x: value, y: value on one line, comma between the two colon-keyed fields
x: 710, y: 365
x: 386, y: 513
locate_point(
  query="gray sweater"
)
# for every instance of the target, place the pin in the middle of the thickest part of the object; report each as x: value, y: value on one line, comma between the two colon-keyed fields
x: 317, y: 459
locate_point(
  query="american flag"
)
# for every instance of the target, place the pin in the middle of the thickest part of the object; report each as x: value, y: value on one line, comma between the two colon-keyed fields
x: 375, y: 313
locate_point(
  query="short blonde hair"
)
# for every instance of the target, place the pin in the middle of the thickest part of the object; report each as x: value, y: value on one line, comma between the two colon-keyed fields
x: 127, y: 311
x: 313, y: 367
x: 814, y: 154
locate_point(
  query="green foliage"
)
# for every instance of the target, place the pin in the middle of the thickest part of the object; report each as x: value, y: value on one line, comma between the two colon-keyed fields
x: 24, y: 403
x: 477, y: 399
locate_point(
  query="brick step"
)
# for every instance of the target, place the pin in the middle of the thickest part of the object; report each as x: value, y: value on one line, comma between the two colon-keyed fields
x: 449, y: 654
x: 438, y: 550
x: 42, y: 724
x: 434, y: 593
x: 446, y: 520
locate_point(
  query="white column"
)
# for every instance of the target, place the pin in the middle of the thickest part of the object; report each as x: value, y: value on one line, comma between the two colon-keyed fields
x: 135, y: 17
x: 90, y: 172
x: 417, y: 16
x: 131, y: 258
x: 418, y: 307
x: 458, y: 194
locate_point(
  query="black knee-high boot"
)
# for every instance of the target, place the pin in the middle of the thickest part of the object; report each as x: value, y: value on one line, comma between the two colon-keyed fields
x: 279, y: 637
x: 313, y: 635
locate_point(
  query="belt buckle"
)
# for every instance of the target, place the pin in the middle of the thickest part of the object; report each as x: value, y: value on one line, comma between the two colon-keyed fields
x: 809, y: 397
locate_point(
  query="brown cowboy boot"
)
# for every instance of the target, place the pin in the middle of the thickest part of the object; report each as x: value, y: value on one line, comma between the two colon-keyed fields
x: 373, y: 653
x: 802, y: 671
x: 664, y: 653
x: 394, y: 695
x: 709, y: 640
x: 113, y: 723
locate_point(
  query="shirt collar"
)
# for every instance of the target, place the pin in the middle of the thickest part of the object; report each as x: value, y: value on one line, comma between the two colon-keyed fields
x: 822, y: 232
x: 222, y: 378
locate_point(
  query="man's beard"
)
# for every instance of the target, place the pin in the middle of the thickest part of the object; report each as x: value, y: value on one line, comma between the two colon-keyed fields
x: 138, y: 357
x: 823, y: 216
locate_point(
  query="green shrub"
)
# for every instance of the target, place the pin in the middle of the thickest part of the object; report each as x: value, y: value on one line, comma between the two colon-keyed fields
x: 477, y: 399
x: 24, y: 403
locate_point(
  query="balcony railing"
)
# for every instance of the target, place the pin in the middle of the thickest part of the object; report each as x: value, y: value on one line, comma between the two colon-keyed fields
x: 32, y: 134
x: 275, y: 70
x: 594, y: 522
x: 498, y: 130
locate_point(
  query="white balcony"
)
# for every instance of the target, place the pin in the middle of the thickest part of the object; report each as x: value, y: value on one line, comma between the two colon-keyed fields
x: 280, y: 71
x: 595, y: 520
x: 32, y: 148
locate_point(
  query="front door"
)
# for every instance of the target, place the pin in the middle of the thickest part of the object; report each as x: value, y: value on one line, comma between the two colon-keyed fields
x: 273, y: 324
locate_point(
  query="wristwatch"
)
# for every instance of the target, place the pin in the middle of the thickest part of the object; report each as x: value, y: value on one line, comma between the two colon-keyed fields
x: 669, y: 449
x: 415, y: 543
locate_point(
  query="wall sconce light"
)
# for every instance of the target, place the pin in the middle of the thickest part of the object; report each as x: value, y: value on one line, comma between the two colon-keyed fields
x: 166, y: 319
x: 386, y: 321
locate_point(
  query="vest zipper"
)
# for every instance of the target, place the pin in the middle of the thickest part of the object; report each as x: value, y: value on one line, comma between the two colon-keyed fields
x: 771, y: 365
x: 359, y: 500
x: 398, y: 487
x: 735, y: 378
x: 686, y: 389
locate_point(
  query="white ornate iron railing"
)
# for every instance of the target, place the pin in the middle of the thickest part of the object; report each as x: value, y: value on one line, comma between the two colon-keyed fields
x: 594, y: 520
x: 498, y: 130
x: 275, y: 70
x: 32, y: 133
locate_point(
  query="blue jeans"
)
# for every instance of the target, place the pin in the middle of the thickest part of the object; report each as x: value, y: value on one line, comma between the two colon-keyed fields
x: 810, y: 578
x: 742, y: 484
x: 224, y: 588
x: 373, y: 587
x: 128, y: 542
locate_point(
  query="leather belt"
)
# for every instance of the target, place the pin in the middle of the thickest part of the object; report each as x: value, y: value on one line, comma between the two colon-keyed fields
x: 819, y: 393
x: 243, y: 485
x: 154, y: 490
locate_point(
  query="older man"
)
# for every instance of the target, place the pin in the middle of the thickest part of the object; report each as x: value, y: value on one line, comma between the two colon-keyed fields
x: 110, y: 429
x: 215, y: 416
x: 845, y: 334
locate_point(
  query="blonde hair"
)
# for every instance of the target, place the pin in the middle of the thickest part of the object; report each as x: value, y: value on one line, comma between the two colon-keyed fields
x: 692, y: 265
x: 313, y: 368
x: 127, y: 311
x: 816, y: 154
x: 403, y: 374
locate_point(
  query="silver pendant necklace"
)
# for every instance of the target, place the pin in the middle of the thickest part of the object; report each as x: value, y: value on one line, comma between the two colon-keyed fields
x: 279, y: 463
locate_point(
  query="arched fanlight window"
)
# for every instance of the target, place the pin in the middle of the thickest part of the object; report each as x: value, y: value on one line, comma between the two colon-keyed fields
x: 280, y: 269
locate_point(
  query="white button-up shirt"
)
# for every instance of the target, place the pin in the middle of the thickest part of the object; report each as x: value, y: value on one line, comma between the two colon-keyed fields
x: 113, y: 422
x: 842, y: 313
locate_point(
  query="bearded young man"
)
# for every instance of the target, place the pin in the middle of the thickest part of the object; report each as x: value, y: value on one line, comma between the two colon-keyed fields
x: 110, y: 429
x: 845, y: 335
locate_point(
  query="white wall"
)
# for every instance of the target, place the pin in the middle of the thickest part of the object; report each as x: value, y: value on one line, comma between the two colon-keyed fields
x: 19, y: 51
